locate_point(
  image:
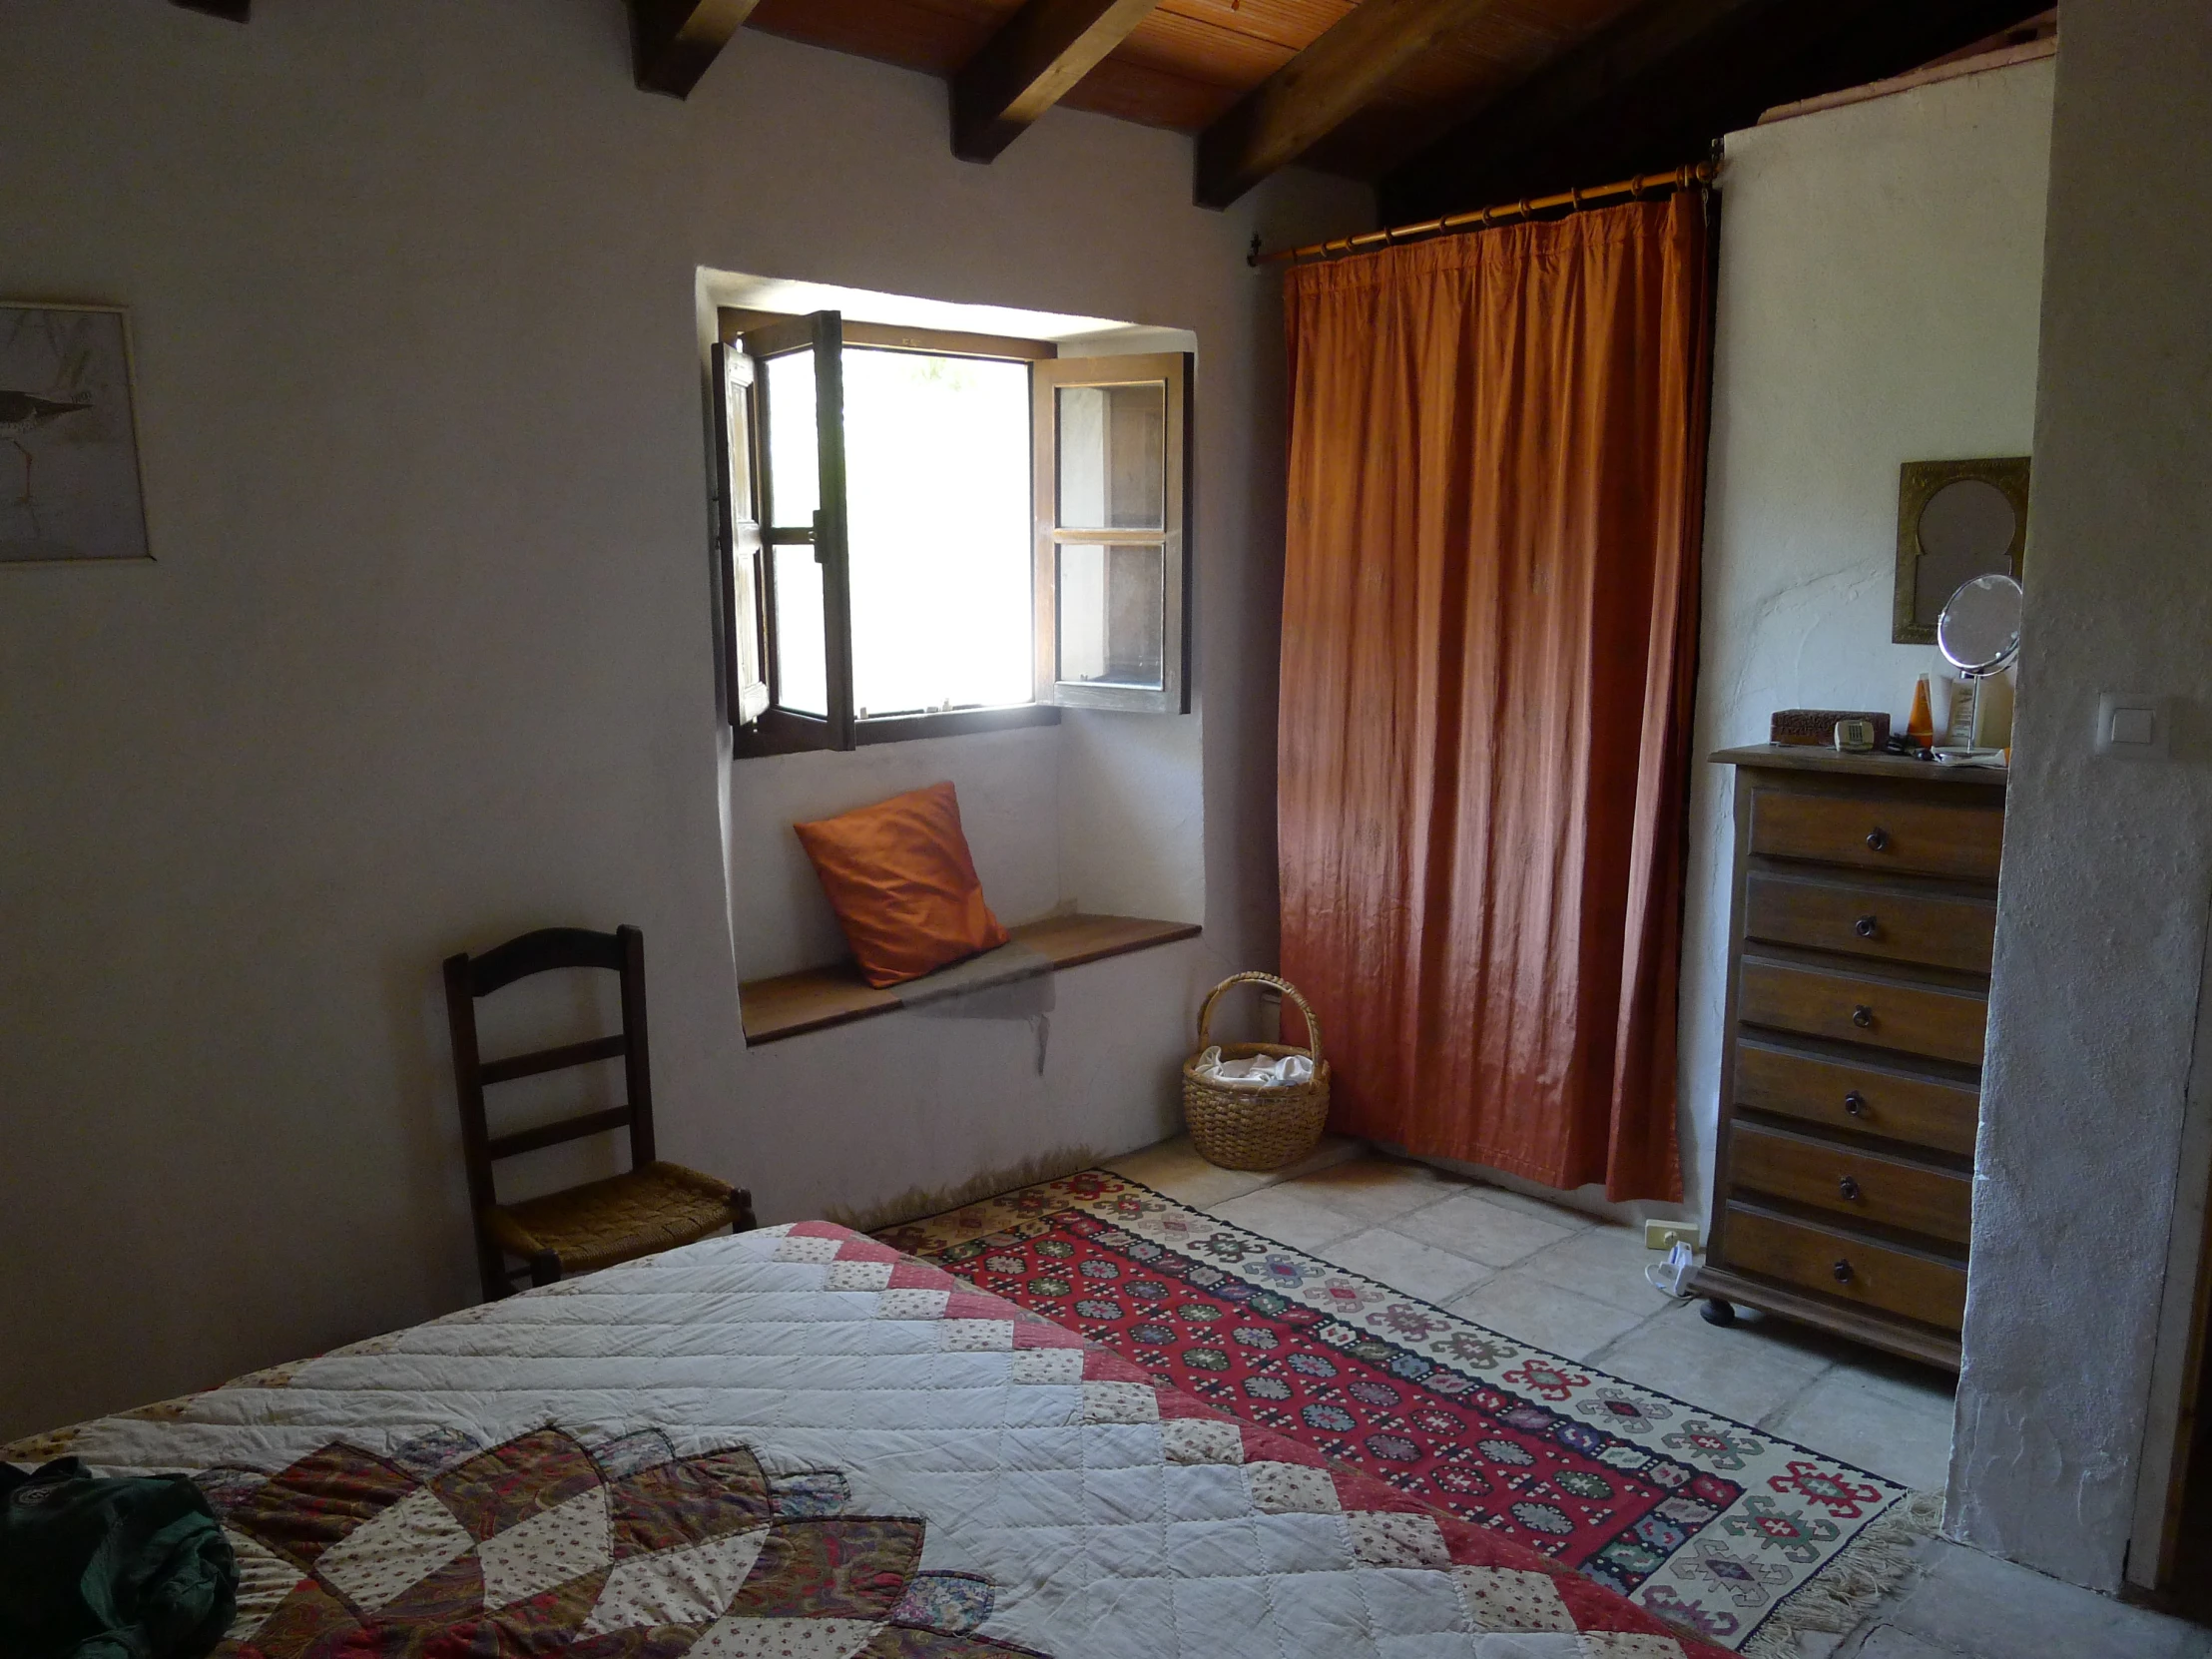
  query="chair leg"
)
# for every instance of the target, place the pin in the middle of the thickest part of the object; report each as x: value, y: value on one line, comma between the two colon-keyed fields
x: 491, y: 1268
x: 740, y: 1212
x: 545, y: 1268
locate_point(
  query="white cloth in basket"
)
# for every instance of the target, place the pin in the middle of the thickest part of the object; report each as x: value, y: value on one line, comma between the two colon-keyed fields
x: 1261, y: 1072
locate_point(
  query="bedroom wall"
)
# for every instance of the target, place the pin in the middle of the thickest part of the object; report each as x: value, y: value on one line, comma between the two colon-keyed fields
x: 1880, y: 288
x: 425, y: 657
x: 2101, y: 925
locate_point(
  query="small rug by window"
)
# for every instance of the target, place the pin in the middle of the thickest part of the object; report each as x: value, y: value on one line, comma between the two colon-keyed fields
x: 1719, y: 1527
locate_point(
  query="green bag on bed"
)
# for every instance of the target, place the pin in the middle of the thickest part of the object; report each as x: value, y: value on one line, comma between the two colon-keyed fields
x: 110, y: 1569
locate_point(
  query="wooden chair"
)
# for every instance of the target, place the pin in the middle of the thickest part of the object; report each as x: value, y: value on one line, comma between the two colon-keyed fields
x: 654, y: 1206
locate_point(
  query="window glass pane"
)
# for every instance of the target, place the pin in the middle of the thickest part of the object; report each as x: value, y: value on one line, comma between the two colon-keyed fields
x: 802, y: 678
x: 794, y: 460
x: 937, y: 458
x: 1113, y: 615
x: 1113, y: 456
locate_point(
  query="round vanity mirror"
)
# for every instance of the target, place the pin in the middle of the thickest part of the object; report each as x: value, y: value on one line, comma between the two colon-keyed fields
x: 1979, y: 630
x: 1966, y: 530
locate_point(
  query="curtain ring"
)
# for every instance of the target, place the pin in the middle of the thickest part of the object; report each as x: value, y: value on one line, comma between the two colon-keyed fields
x: 1574, y: 198
x: 1526, y: 211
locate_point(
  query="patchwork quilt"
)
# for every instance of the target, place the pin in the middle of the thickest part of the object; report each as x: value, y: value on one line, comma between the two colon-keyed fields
x: 798, y: 1443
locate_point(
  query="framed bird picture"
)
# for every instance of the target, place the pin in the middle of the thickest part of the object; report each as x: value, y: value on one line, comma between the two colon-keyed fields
x: 69, y: 452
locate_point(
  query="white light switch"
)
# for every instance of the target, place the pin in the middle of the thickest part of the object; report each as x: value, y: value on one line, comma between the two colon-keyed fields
x: 2138, y: 726
x: 2131, y: 726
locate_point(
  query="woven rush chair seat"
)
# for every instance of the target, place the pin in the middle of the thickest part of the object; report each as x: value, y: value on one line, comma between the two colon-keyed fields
x: 652, y: 1208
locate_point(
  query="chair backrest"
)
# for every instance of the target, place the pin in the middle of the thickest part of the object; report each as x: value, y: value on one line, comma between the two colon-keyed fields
x: 470, y: 978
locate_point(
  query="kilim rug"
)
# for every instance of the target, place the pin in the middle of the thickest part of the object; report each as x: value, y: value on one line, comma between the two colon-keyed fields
x: 1719, y: 1527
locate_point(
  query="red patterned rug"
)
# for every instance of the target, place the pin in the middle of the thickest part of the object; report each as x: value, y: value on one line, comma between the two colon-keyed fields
x: 1714, y: 1525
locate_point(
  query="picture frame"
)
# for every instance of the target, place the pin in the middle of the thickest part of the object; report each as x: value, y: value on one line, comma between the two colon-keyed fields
x: 72, y: 490
x: 1974, y: 512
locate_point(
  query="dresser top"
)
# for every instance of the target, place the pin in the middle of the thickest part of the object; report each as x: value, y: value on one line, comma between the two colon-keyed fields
x: 1815, y: 758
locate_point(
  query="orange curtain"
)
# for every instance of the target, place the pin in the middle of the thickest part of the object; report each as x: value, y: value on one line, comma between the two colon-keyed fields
x: 1489, y: 611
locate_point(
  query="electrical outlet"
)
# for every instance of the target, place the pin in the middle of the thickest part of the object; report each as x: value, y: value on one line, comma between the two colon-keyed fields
x: 1661, y: 1235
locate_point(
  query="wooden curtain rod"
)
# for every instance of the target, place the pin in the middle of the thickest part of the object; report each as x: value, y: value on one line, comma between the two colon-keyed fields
x: 1481, y: 219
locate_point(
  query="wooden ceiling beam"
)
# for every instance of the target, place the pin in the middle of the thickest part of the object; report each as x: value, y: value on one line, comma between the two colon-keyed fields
x: 235, y: 11
x: 673, y: 42
x: 1030, y: 64
x: 1317, y: 91
x: 1659, y: 86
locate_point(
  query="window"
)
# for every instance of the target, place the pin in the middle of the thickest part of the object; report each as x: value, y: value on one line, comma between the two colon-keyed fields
x: 928, y: 533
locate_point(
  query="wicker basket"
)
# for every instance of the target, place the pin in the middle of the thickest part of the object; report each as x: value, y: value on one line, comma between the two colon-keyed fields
x: 1255, y: 1128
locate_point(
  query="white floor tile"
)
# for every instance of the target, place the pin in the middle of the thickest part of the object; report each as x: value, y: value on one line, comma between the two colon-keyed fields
x: 1559, y: 1215
x: 1374, y: 1190
x: 1278, y: 1213
x: 1977, y: 1605
x: 1603, y: 1261
x: 1518, y: 1305
x: 1467, y: 1225
x: 1887, y: 1641
x: 1176, y: 1171
x: 1739, y: 1372
x: 1896, y: 1428
x: 1406, y: 1264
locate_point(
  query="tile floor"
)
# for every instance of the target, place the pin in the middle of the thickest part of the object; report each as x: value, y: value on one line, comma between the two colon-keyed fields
x: 1573, y: 1285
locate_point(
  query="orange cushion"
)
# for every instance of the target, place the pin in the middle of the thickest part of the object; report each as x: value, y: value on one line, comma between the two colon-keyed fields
x: 900, y: 877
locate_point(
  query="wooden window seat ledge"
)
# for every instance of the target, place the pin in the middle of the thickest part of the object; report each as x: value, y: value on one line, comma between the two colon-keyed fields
x: 815, y: 1000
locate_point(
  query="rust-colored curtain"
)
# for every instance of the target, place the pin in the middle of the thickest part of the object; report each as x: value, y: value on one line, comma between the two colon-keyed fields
x: 1497, y: 450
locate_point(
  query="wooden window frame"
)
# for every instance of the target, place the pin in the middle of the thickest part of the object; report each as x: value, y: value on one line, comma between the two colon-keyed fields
x: 741, y: 416
x: 1046, y: 380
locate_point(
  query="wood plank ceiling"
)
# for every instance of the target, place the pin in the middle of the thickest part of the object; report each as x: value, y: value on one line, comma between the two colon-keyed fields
x: 1187, y: 61
x: 1444, y: 103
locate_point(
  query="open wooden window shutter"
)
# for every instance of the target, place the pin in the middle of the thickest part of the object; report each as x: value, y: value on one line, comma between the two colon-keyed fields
x: 1111, y: 501
x: 805, y: 623
x: 745, y: 582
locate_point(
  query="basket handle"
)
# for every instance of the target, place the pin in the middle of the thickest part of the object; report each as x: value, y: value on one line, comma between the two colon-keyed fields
x: 1313, y: 1024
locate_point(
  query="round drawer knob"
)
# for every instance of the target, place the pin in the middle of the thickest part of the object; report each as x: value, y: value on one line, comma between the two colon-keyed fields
x: 1856, y: 1104
x: 1866, y: 927
x: 1847, y: 1187
x: 1878, y: 841
x: 1842, y: 1272
x: 1862, y: 1017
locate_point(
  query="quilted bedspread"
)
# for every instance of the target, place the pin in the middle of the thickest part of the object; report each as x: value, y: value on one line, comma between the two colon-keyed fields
x: 796, y: 1443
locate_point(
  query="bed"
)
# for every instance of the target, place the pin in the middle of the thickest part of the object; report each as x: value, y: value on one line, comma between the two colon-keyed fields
x: 796, y: 1443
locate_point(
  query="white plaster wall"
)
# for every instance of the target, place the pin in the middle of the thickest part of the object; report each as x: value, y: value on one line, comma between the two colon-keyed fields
x: 426, y: 656
x: 1880, y: 284
x: 2107, y: 865
x: 1009, y: 789
x: 1132, y: 810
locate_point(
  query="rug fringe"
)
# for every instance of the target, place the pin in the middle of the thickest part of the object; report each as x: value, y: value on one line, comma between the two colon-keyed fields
x: 1839, y: 1595
x: 916, y: 1203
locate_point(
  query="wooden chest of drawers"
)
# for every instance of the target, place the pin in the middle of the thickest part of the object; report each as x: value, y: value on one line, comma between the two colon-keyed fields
x: 1851, y: 1078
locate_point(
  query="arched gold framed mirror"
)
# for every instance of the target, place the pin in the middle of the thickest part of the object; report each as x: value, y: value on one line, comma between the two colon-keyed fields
x: 1957, y: 520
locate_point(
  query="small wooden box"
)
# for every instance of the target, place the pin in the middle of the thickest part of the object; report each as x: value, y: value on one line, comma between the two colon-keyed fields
x: 1818, y: 726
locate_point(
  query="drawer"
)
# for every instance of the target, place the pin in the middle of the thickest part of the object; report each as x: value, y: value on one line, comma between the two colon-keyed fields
x: 1876, y: 834
x: 1861, y: 1008
x: 1920, y: 1110
x: 1851, y: 1182
x: 1836, y: 1264
x: 1940, y: 929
